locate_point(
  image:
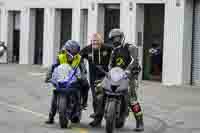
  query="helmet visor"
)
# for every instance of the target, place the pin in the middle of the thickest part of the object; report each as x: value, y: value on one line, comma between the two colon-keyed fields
x: 116, y: 39
x: 69, y: 55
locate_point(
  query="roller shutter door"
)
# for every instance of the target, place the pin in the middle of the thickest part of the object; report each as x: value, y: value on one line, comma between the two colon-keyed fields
x: 196, y: 45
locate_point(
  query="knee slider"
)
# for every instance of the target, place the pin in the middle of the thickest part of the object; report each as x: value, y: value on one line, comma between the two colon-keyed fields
x: 136, y: 108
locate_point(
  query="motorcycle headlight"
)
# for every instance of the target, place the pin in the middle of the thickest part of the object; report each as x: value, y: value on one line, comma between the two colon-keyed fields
x: 117, y: 74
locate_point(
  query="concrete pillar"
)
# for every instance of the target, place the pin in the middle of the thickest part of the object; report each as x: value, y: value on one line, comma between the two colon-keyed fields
x: 7, y: 34
x: 27, y: 34
x: 95, y: 19
x: 128, y: 20
x: 84, y: 28
x: 52, y: 23
x: 177, y: 43
x: 101, y: 16
x: 92, y: 18
x: 76, y: 22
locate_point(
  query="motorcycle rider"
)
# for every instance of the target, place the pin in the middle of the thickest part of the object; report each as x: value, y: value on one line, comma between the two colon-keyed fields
x: 68, y: 55
x: 97, y: 54
x: 123, y: 55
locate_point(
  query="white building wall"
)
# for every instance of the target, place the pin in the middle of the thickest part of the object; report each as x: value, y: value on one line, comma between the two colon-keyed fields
x: 84, y: 4
x: 172, y: 49
x: 18, y: 4
x: 76, y: 22
x: 177, y: 33
x: 177, y: 37
x: 176, y: 70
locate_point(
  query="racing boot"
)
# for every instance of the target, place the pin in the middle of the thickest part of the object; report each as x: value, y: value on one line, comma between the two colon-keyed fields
x: 84, y: 104
x: 98, y: 116
x: 50, y: 120
x: 139, y: 123
x: 136, y: 109
x: 93, y: 115
x: 96, y: 122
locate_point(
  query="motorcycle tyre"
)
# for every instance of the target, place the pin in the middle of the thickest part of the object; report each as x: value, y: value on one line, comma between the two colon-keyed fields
x: 111, y: 117
x: 63, y: 120
x: 120, y: 123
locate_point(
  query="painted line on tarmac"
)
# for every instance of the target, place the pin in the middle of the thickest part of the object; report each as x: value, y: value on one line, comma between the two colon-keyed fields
x: 36, y: 73
x: 22, y: 109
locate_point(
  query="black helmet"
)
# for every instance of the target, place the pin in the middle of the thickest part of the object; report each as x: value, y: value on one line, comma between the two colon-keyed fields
x: 117, y: 37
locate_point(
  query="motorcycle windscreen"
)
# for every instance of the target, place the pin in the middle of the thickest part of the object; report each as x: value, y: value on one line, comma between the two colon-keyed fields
x: 122, y: 85
x: 64, y: 75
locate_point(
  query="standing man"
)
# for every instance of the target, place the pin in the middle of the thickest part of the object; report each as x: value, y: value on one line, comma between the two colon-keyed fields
x: 97, y: 54
x: 125, y: 56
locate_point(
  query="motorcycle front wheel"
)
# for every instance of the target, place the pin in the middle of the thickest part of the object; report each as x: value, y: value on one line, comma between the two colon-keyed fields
x: 63, y: 120
x: 110, y: 117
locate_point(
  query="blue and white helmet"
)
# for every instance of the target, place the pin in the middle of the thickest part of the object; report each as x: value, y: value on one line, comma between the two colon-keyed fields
x: 72, y: 47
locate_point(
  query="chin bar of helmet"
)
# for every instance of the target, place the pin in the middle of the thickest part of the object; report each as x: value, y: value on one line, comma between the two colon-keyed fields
x: 70, y: 55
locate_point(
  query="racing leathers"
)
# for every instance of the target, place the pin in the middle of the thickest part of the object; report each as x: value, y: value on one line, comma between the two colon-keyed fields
x: 126, y: 57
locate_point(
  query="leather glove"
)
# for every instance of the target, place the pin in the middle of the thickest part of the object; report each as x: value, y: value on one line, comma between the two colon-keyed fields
x: 127, y: 73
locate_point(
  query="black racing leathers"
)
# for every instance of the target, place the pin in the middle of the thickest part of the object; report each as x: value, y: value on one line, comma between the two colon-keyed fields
x: 125, y: 56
